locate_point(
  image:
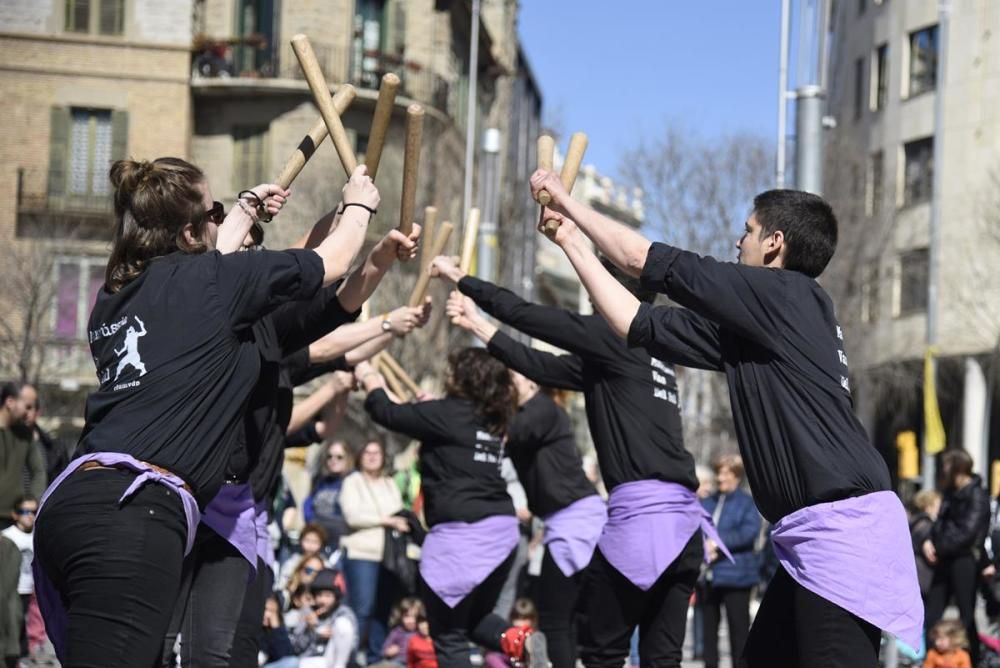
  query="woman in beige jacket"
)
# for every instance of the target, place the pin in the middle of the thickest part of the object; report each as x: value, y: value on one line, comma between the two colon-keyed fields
x: 369, y: 500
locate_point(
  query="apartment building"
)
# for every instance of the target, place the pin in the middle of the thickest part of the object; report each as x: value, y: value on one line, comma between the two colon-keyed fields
x: 896, y: 151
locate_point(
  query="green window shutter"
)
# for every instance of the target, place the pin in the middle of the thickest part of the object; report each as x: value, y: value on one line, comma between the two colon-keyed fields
x: 112, y: 17
x: 119, y: 135
x: 58, y: 149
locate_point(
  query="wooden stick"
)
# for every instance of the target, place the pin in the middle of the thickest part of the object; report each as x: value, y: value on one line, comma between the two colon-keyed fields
x: 571, y: 167
x: 546, y: 157
x: 397, y: 369
x: 390, y: 379
x: 469, y: 240
x: 341, y: 101
x: 411, y: 163
x: 380, y: 122
x: 427, y: 237
x: 440, y: 241
x: 321, y: 94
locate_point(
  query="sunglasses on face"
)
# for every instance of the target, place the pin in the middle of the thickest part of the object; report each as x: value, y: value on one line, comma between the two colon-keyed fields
x: 216, y: 214
x: 309, y: 570
x: 27, y: 511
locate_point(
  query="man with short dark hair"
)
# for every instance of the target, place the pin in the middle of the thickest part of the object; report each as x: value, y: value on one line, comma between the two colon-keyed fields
x: 841, y: 535
x: 16, y: 452
x: 56, y: 452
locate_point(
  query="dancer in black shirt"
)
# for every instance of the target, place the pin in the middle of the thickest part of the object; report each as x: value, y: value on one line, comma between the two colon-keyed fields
x: 840, y: 533
x: 650, y: 552
x: 233, y: 544
x: 542, y: 447
x: 473, y: 530
x: 171, y: 336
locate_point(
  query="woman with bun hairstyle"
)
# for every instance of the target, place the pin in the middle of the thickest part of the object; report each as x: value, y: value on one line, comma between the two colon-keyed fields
x: 217, y: 615
x: 474, y: 533
x: 170, y: 336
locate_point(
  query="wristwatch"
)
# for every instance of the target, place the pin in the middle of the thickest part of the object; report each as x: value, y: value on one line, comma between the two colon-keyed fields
x: 386, y: 323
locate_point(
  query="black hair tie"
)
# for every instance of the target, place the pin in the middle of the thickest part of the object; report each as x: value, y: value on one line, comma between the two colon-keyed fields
x: 367, y: 208
x: 262, y: 213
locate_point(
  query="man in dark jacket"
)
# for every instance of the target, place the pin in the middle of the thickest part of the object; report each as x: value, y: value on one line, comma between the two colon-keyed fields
x: 728, y: 583
x: 955, y: 547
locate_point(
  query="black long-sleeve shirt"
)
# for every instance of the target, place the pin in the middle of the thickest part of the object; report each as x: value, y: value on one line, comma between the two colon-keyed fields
x: 631, y: 397
x: 541, y: 446
x: 459, y: 457
x: 177, y: 361
x: 283, y: 338
x: 775, y: 335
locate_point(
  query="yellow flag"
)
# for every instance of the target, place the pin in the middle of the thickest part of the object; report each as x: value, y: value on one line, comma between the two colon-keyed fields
x: 934, y: 438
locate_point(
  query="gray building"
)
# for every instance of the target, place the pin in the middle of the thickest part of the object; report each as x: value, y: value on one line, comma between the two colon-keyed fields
x: 897, y: 152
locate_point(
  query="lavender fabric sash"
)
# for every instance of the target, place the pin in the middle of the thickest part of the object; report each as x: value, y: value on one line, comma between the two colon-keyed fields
x: 456, y: 557
x: 571, y: 534
x: 262, y: 518
x: 649, y: 523
x: 49, y: 599
x: 856, y: 553
x: 232, y: 514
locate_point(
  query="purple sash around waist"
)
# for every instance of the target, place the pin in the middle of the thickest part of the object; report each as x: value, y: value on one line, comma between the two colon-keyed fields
x: 649, y: 523
x: 261, y: 520
x: 232, y: 515
x: 49, y: 600
x: 456, y: 557
x: 857, y: 554
x: 571, y: 534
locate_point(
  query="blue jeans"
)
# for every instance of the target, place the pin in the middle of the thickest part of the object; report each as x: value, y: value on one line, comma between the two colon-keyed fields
x: 371, y: 592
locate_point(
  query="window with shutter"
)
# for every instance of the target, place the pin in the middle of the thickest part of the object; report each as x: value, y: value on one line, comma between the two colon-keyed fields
x: 78, y: 15
x: 90, y: 143
x: 112, y: 18
x: 59, y: 122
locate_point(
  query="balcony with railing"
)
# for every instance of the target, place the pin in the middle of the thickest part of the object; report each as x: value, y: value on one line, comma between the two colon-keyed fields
x: 86, y: 216
x: 256, y: 66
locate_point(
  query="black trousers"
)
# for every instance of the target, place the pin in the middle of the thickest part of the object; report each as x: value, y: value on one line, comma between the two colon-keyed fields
x: 117, y: 567
x: 612, y: 607
x: 246, y: 642
x: 736, y: 600
x: 958, y: 577
x: 472, y: 620
x: 795, y: 628
x: 557, y: 597
x: 213, y: 587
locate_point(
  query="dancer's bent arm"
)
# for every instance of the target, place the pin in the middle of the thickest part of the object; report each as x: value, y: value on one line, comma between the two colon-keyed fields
x: 625, y: 247
x: 561, y: 371
x: 559, y: 327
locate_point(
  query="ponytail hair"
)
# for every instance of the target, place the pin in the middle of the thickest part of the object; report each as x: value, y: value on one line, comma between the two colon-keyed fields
x: 154, y: 201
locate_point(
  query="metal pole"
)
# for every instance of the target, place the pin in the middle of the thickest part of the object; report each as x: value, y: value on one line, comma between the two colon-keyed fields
x: 933, y: 248
x: 824, y: 30
x: 779, y: 174
x: 489, y: 170
x: 470, y: 110
x: 809, y: 139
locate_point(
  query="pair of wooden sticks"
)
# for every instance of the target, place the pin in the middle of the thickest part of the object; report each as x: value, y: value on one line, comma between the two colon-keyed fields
x: 330, y: 124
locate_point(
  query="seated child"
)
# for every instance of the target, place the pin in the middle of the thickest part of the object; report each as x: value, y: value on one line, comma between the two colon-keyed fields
x: 327, y: 636
x: 949, y: 646
x: 524, y: 614
x: 275, y: 645
x: 420, y: 648
x: 404, y: 627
